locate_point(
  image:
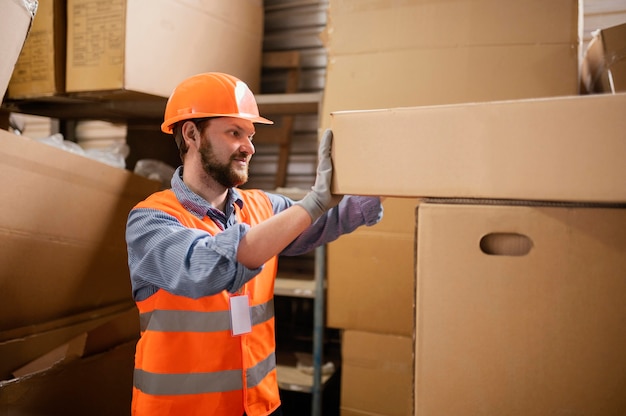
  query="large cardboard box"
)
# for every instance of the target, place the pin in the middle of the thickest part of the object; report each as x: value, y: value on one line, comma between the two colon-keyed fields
x: 456, y: 23
x: 21, y: 346
x: 99, y: 385
x: 83, y: 360
x: 520, y: 310
x: 40, y: 68
x: 371, y: 274
x: 16, y: 17
x: 62, y: 232
x: 557, y: 149
x: 149, y: 46
x: 409, y: 53
x: 376, y: 374
x: 604, y: 65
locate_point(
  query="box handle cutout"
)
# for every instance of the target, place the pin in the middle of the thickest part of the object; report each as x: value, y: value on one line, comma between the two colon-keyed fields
x: 505, y: 244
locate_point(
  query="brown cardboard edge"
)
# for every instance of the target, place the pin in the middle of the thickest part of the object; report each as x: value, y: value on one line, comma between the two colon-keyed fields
x: 29, y: 330
x: 97, y: 385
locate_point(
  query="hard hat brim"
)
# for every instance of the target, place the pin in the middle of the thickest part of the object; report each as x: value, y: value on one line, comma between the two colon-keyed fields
x: 166, y: 127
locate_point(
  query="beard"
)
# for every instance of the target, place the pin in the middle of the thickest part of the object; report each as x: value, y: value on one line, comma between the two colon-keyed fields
x: 224, y: 173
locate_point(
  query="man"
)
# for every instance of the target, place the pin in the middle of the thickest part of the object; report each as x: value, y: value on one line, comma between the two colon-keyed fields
x: 203, y: 258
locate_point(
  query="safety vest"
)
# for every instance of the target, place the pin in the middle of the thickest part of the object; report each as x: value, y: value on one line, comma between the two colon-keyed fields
x: 187, y: 361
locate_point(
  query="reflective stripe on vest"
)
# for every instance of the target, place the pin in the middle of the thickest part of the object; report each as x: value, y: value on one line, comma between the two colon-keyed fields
x: 198, y: 383
x: 192, y: 321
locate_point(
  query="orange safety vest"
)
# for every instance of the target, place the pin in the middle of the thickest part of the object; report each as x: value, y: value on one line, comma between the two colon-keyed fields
x: 187, y: 362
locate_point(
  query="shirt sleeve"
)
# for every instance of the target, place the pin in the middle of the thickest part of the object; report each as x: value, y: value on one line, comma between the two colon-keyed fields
x: 162, y: 253
x: 351, y: 213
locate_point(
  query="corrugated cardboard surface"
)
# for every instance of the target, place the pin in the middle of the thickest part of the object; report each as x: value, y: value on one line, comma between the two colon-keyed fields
x: 19, y: 347
x: 377, y: 374
x: 449, y: 75
x: 158, y: 43
x: 15, y: 21
x: 40, y: 69
x: 604, y: 66
x: 384, y: 25
x: 390, y: 54
x: 99, y: 385
x: 371, y: 274
x: 559, y: 149
x: 370, y: 284
x: 88, y: 362
x: 535, y: 334
x: 62, y: 232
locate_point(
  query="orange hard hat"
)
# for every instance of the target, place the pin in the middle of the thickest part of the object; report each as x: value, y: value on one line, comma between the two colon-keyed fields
x: 211, y: 94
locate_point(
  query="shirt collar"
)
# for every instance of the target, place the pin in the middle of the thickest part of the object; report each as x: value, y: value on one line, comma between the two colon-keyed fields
x: 197, y: 205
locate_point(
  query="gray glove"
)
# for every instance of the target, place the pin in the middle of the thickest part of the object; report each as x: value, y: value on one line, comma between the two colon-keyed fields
x: 319, y: 199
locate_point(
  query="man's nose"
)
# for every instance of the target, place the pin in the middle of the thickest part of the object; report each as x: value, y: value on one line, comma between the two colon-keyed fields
x: 247, y: 146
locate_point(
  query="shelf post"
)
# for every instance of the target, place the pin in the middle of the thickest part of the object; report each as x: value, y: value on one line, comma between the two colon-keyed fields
x: 318, y: 330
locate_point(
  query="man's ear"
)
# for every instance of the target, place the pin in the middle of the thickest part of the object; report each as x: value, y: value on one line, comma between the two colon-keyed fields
x: 190, y: 132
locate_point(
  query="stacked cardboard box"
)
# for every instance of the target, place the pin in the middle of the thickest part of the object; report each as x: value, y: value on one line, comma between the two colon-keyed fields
x: 517, y: 292
x: 137, y: 48
x: 40, y: 69
x: 394, y: 54
x: 604, y: 64
x: 370, y: 296
x: 379, y: 366
x: 89, y: 373
x: 562, y: 148
x: 63, y: 221
x: 64, y: 276
x: 520, y: 309
x: 521, y: 62
x: 15, y: 22
x: 352, y: 303
x: 68, y: 324
x: 600, y: 14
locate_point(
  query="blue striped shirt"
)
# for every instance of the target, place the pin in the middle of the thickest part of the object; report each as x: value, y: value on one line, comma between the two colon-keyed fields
x: 162, y: 253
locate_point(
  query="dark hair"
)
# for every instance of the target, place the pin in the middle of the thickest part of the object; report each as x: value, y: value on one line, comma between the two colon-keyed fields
x: 177, y: 130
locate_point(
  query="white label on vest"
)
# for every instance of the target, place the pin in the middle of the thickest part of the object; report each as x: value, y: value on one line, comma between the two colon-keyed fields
x: 240, y: 320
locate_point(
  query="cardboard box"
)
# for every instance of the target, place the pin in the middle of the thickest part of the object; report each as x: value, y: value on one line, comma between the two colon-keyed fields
x: 520, y: 310
x: 71, y: 350
x: 40, y: 68
x: 457, y: 23
x: 97, y: 385
x: 379, y: 257
x: 148, y: 47
x: 15, y: 20
x: 448, y: 76
x: 91, y: 367
x: 376, y: 375
x: 395, y: 54
x: 62, y: 229
x: 604, y: 65
x: 97, y: 334
x: 19, y: 347
x: 556, y: 149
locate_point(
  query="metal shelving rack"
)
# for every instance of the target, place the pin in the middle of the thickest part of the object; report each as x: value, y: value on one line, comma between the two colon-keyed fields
x: 289, y: 377
x: 296, y: 25
x: 292, y: 378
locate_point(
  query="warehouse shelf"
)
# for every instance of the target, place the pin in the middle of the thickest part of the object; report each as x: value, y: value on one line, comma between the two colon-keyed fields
x: 290, y: 284
x: 94, y: 107
x: 289, y: 104
x: 299, y: 285
x: 294, y: 379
